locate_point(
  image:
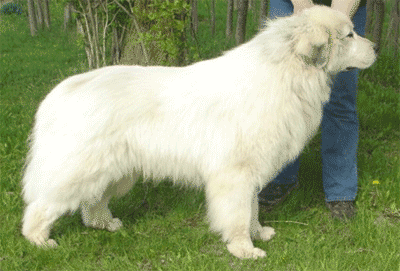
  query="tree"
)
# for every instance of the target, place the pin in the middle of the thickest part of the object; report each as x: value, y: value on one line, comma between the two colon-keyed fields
x: 67, y: 14
x: 194, y: 17
x: 263, y: 13
x: 394, y: 28
x: 95, y: 20
x: 212, y: 17
x: 38, y: 11
x: 46, y: 13
x: 229, y: 19
x: 131, y: 32
x: 241, y: 21
x: 32, y: 17
x: 379, y: 10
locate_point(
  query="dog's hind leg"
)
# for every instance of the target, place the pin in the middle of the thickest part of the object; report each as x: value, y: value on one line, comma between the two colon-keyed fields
x: 38, y: 218
x: 95, y: 212
x: 257, y: 231
x: 229, y: 196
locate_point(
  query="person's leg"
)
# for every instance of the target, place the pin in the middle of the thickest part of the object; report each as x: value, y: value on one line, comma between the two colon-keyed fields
x: 280, y: 8
x: 286, y: 181
x: 340, y: 138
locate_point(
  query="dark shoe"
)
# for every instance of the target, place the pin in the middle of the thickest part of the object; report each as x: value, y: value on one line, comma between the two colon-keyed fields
x: 273, y: 193
x: 342, y: 210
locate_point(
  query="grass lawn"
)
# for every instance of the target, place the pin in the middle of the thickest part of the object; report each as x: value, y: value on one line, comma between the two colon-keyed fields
x: 164, y: 225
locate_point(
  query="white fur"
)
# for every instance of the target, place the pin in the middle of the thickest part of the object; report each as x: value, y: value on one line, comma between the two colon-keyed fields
x: 229, y: 123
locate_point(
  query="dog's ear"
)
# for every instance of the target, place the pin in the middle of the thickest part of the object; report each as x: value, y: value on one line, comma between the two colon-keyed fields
x: 314, y: 46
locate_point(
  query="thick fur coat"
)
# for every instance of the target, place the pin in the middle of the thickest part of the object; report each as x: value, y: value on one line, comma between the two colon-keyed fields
x: 229, y: 124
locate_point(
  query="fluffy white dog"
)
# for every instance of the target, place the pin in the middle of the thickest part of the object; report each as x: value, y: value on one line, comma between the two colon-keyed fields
x: 229, y: 123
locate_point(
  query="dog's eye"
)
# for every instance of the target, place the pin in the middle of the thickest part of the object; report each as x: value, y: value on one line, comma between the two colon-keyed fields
x: 350, y: 35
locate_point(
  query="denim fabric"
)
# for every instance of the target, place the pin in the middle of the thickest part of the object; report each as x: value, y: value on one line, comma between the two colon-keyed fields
x: 339, y: 125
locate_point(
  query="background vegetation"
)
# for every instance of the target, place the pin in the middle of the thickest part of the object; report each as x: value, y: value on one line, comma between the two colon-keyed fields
x: 165, y: 227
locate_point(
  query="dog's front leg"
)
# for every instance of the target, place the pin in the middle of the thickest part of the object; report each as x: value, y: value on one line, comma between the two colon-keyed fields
x: 229, y: 195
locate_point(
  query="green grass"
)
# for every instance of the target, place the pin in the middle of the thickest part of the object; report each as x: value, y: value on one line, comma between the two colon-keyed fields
x: 164, y: 225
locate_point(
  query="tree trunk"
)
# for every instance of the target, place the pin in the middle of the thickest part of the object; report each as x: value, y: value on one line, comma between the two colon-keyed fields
x: 46, y: 13
x: 139, y: 54
x: 212, y: 17
x: 263, y: 12
x: 254, y: 11
x: 195, y: 18
x: 241, y: 21
x: 39, y: 13
x: 67, y: 14
x: 368, y: 24
x: 379, y: 11
x: 32, y: 17
x: 393, y: 31
x: 229, y: 19
x: 115, y: 49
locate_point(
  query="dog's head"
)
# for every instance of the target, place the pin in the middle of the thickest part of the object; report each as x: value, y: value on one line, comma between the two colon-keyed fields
x: 325, y: 38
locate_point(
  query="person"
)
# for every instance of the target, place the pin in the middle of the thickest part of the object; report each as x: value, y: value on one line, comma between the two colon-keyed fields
x: 339, y: 125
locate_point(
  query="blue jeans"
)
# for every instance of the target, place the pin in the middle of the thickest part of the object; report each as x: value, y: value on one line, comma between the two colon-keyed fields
x: 339, y: 126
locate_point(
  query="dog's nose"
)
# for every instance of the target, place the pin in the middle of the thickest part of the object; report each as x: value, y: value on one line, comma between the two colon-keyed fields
x: 376, y: 48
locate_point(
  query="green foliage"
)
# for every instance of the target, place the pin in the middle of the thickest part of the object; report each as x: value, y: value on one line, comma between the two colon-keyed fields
x: 162, y: 22
x: 11, y: 8
x: 80, y: 41
x: 166, y: 21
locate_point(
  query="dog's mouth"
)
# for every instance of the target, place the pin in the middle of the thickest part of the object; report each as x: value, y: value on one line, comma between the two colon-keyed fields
x: 350, y: 68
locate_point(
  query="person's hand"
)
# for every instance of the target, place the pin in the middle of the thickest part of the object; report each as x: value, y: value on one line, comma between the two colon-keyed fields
x: 298, y: 6
x: 348, y: 7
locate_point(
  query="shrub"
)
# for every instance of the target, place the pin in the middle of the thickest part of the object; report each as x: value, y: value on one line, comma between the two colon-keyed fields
x: 10, y: 8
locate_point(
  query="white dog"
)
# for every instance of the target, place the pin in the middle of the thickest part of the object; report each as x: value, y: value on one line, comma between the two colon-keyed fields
x: 229, y: 123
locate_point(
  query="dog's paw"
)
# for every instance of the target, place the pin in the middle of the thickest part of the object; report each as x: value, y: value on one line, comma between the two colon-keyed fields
x: 49, y: 243
x: 266, y: 233
x: 245, y: 250
x: 114, y: 225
